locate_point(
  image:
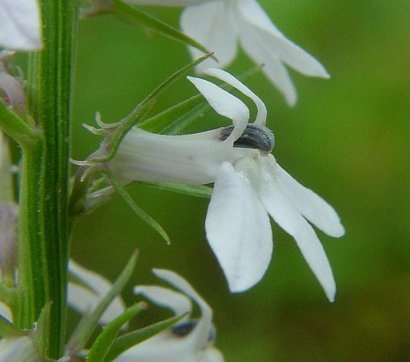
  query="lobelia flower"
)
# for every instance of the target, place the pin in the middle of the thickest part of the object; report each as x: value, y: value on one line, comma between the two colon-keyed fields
x: 188, y: 341
x: 87, y: 289
x: 249, y: 185
x: 20, y: 25
x: 85, y: 292
x: 220, y: 24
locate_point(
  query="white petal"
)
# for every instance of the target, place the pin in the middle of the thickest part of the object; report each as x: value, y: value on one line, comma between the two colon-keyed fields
x: 278, y: 74
x: 211, y: 354
x: 288, y: 217
x: 20, y: 26
x: 200, y: 334
x: 277, y: 43
x: 225, y: 104
x: 231, y: 80
x: 238, y: 230
x: 5, y: 311
x: 191, y: 159
x: 180, y: 283
x: 211, y: 25
x: 165, y: 297
x: 84, y: 296
x: 18, y: 349
x: 293, y: 55
x: 164, y: 347
x: 253, y: 13
x: 310, y: 205
x: 257, y: 50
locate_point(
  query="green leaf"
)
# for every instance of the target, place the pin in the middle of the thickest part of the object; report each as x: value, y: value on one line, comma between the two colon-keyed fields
x: 178, y: 117
x: 126, y: 341
x: 135, y: 15
x: 190, y: 190
x: 104, y: 341
x: 179, y: 125
x: 118, y: 187
x: 89, y: 322
x: 8, y: 329
x: 16, y: 127
x: 41, y: 338
x: 8, y: 295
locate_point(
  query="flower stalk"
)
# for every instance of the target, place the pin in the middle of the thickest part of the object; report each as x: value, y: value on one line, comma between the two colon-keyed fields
x: 44, y: 232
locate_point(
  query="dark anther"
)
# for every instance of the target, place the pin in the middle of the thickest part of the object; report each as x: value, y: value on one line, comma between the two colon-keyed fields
x: 256, y: 137
x: 184, y: 328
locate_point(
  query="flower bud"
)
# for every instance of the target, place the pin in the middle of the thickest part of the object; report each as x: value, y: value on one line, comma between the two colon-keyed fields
x: 12, y: 92
x: 8, y: 237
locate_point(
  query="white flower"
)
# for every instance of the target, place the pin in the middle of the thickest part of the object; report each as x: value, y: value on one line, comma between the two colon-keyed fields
x: 220, y: 24
x: 18, y: 349
x: 20, y: 25
x: 188, y: 341
x: 249, y: 186
x: 87, y: 289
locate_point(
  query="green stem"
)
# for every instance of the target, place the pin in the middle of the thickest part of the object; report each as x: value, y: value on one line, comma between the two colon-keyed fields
x: 32, y: 259
x: 50, y: 105
x: 32, y: 281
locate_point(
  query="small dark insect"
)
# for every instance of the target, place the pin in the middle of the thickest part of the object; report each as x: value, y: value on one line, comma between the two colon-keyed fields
x: 256, y: 137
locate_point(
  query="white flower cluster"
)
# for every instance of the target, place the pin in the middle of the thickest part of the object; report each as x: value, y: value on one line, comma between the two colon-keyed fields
x: 249, y: 185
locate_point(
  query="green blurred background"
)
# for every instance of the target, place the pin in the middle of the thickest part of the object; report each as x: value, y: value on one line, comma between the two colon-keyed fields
x: 347, y: 139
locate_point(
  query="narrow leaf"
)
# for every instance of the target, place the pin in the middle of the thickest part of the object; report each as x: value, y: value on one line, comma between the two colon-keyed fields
x: 177, y: 117
x: 104, y: 341
x: 7, y: 295
x: 126, y: 341
x: 89, y: 322
x: 41, y: 335
x: 118, y: 187
x: 190, y: 190
x: 135, y: 15
x: 182, y: 123
x: 175, y: 76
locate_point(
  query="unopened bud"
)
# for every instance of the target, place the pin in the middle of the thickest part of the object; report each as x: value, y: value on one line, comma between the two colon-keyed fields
x: 8, y: 237
x: 12, y: 92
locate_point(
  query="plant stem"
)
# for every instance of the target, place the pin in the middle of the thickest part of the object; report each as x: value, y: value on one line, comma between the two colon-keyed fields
x: 50, y: 105
x: 32, y: 257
